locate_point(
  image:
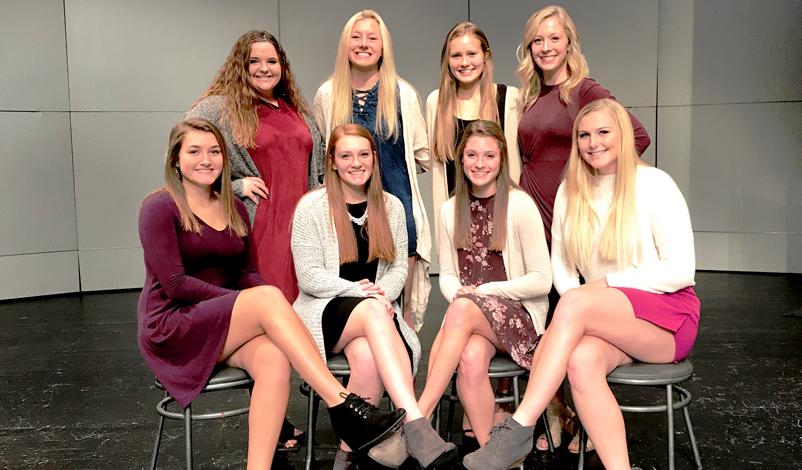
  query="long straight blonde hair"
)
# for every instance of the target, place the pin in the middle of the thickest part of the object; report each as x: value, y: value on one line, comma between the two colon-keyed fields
x: 462, y: 188
x: 342, y: 94
x: 619, y: 239
x: 443, y: 140
x: 221, y: 188
x: 531, y: 75
x: 380, y: 237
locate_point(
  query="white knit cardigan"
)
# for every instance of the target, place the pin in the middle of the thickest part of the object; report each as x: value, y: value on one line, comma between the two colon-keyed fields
x: 316, y: 255
x: 526, y: 258
x: 416, y: 150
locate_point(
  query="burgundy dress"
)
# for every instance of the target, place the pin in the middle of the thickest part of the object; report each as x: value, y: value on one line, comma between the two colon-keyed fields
x: 281, y: 155
x: 190, y: 287
x: 478, y: 265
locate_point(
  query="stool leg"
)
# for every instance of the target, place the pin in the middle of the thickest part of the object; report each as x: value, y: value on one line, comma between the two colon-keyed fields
x: 670, y: 416
x: 693, y: 438
x: 581, y: 463
x: 549, y: 437
x: 188, y: 434
x: 310, y: 429
x: 156, y: 443
x: 451, y: 411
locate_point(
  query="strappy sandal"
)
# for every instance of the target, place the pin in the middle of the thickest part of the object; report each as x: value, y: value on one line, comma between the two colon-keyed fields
x: 288, y: 434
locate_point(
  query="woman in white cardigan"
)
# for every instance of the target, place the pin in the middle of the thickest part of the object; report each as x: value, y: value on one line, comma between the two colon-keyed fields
x: 349, y: 243
x: 466, y: 93
x: 494, y: 271
x: 366, y: 90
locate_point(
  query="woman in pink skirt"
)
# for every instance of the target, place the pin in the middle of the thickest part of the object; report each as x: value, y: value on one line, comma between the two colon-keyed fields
x: 624, y: 226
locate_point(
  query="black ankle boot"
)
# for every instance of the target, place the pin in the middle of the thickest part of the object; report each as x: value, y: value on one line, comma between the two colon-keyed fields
x: 362, y: 425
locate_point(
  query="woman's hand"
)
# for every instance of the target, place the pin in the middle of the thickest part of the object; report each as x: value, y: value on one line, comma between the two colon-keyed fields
x: 254, y: 187
x: 470, y: 289
x: 388, y: 306
x: 371, y: 288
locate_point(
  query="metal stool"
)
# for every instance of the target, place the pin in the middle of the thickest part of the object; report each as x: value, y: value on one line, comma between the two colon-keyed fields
x: 656, y: 375
x: 225, y: 378
x: 338, y: 366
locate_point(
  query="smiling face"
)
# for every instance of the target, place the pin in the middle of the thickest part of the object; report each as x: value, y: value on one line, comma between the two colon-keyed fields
x: 365, y: 44
x: 353, y: 162
x: 599, y: 140
x: 466, y: 60
x: 550, y: 50
x: 200, y: 159
x: 264, y: 69
x: 481, y: 162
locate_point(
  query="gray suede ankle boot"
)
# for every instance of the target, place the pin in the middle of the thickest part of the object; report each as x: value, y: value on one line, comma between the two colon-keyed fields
x: 392, y: 452
x: 509, y: 443
x: 426, y: 446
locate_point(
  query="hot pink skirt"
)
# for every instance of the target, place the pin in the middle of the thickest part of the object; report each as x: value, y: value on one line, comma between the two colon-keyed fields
x: 677, y: 312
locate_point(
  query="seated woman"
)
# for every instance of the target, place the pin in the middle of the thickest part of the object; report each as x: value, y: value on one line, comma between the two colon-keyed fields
x: 624, y: 226
x: 349, y: 243
x: 495, y: 271
x: 204, y: 303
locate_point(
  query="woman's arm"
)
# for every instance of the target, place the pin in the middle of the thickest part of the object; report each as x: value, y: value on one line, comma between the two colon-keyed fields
x: 393, y: 280
x: 564, y: 274
x: 249, y: 276
x: 449, y: 279
x: 159, y: 224
x: 591, y: 90
x: 420, y: 140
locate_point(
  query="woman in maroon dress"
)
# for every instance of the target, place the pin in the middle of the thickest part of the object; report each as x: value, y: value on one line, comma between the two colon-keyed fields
x: 203, y: 302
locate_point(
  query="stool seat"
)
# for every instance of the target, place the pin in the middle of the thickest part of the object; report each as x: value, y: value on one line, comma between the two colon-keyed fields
x: 338, y: 363
x: 640, y: 373
x: 503, y: 364
x: 225, y: 376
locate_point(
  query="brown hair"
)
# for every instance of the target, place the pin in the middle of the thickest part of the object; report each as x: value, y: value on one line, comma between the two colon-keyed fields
x: 231, y: 81
x: 380, y: 237
x: 444, y: 125
x: 221, y: 188
x: 462, y: 209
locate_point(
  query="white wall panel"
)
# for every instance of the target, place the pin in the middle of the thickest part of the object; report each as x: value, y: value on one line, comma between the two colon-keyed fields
x: 618, y: 37
x: 730, y: 51
x: 33, y: 75
x: 760, y: 252
x: 38, y: 274
x: 36, y: 183
x: 111, y: 268
x: 152, y: 55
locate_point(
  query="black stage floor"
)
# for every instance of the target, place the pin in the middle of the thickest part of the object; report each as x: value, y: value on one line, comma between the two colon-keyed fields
x: 77, y: 395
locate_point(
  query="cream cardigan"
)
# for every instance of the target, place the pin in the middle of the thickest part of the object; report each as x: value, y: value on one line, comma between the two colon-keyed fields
x: 526, y: 258
x: 512, y: 115
x: 416, y: 149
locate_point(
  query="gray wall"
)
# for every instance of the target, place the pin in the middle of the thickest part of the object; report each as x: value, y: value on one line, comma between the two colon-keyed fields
x: 90, y: 88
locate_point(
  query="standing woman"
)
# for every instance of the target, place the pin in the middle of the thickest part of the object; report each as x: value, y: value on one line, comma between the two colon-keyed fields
x: 467, y: 93
x: 366, y: 90
x: 494, y: 271
x: 276, y: 149
x: 554, y: 87
x: 204, y: 303
x: 348, y: 241
x: 625, y: 228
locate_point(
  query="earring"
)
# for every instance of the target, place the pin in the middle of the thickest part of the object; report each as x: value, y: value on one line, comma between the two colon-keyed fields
x: 178, y: 172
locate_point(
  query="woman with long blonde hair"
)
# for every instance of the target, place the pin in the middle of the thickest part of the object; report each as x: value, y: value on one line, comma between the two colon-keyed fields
x: 467, y: 93
x: 348, y: 242
x: 554, y: 86
x: 366, y: 90
x: 624, y: 227
x: 204, y: 303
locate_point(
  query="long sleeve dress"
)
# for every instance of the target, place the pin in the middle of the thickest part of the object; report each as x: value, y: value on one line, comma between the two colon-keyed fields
x: 192, y: 281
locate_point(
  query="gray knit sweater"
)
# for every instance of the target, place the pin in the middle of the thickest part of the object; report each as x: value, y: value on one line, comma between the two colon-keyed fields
x: 212, y: 108
x: 316, y: 254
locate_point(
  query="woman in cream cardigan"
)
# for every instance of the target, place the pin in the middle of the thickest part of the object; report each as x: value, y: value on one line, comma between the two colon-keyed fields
x: 366, y: 90
x: 494, y: 271
x: 467, y: 93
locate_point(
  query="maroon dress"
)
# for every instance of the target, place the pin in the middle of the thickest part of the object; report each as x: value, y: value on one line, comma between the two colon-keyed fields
x: 478, y: 265
x: 191, y: 283
x: 281, y: 155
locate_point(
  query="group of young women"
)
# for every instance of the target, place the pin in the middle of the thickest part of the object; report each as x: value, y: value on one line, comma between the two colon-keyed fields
x: 251, y: 263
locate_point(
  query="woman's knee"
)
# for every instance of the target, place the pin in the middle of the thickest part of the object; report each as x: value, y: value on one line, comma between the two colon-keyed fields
x: 473, y: 363
x: 361, y: 361
x: 572, y: 307
x: 460, y: 313
x: 586, y: 365
x: 269, y: 363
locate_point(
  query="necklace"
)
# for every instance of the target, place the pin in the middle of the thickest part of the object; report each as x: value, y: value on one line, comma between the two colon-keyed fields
x: 361, y: 219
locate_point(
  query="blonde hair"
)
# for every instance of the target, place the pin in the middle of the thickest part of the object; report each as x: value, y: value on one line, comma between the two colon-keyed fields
x: 221, y: 188
x: 444, y: 124
x: 462, y: 189
x: 380, y: 237
x: 341, y: 96
x: 232, y: 82
x: 619, y: 239
x: 531, y: 75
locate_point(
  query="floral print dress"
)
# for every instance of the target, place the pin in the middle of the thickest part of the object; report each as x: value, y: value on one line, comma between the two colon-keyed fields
x: 479, y: 265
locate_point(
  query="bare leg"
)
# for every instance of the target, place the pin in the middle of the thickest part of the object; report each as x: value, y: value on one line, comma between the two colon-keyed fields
x: 270, y: 370
x: 592, y: 359
x: 263, y: 310
x: 408, y: 291
x: 463, y: 319
x: 603, y: 313
x: 473, y: 386
x: 370, y: 320
x: 364, y: 379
